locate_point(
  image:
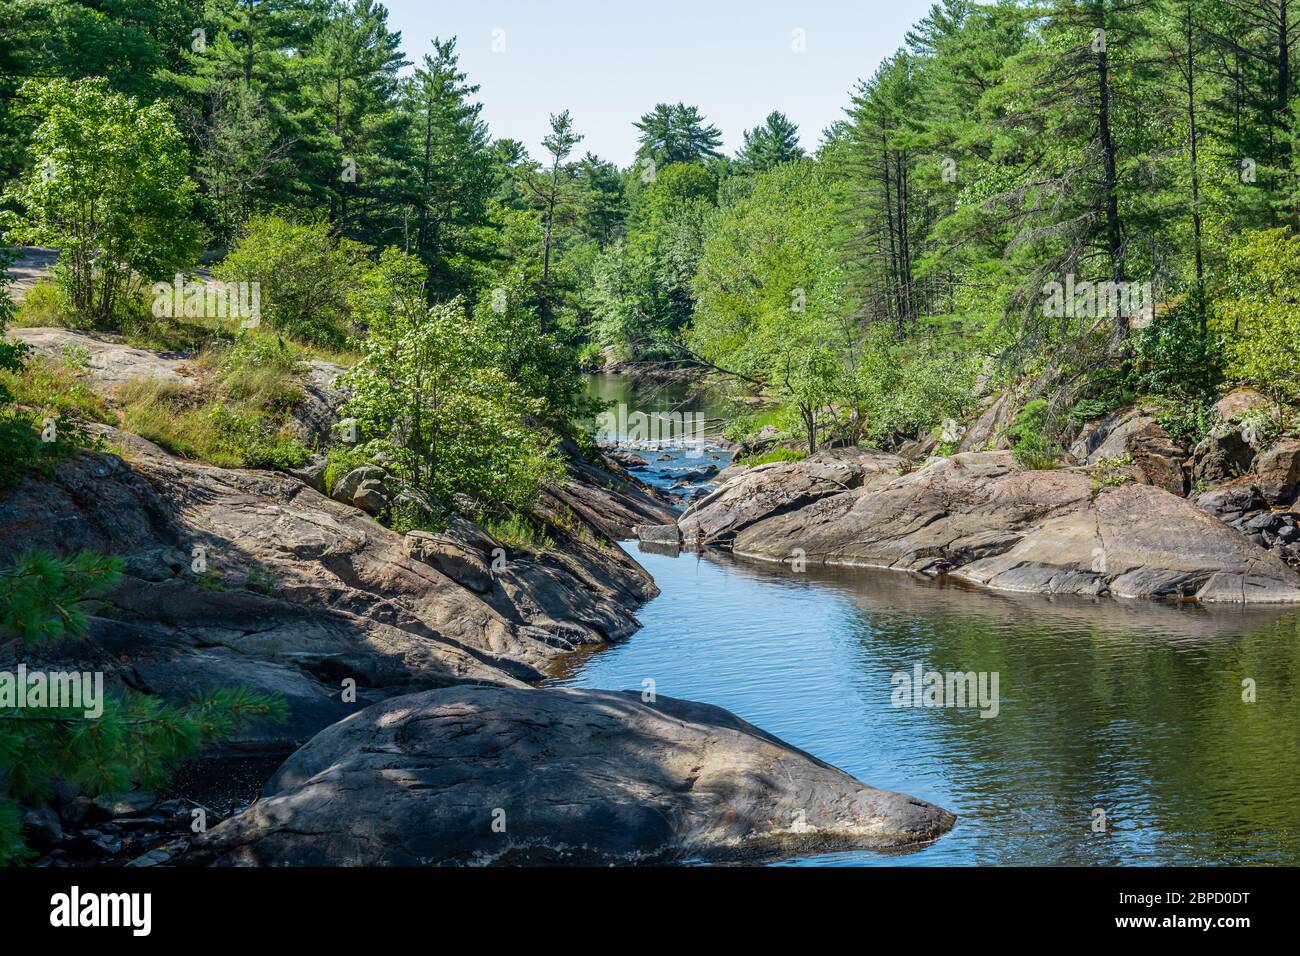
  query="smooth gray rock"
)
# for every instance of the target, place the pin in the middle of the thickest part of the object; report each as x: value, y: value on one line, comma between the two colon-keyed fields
x: 312, y: 473
x: 109, y: 363
x: 371, y: 497
x: 1232, y: 501
x: 668, y: 535
x: 568, y: 776
x: 764, y: 490
x: 1222, y: 455
x: 347, y: 486
x: 316, y: 413
x: 463, y: 552
x: 42, y: 828
x: 1157, y: 459
x: 981, y: 517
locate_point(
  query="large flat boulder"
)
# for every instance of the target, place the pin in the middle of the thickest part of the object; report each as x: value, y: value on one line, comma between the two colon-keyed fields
x: 479, y: 775
x: 778, y: 487
x: 108, y: 363
x: 982, y: 517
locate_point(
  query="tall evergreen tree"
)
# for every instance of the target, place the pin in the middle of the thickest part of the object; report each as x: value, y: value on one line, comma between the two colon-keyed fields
x: 452, y: 169
x: 677, y: 133
x: 769, y: 145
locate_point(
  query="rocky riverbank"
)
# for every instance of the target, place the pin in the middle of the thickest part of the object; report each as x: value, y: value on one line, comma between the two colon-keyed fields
x: 256, y: 578
x: 981, y: 517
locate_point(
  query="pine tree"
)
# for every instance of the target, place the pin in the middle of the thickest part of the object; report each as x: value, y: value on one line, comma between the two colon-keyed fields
x: 138, y: 739
x: 770, y: 145
x: 552, y: 190
x: 452, y: 171
x: 355, y: 130
x: 677, y: 133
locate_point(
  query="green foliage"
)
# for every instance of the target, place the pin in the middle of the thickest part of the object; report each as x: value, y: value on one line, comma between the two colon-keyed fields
x: 1033, y: 449
x: 45, y: 305
x: 43, y: 405
x: 42, y: 594
x: 108, y: 189
x: 910, y: 387
x: 742, y: 428
x: 53, y: 387
x: 453, y: 166
x: 769, y: 145
x: 677, y: 133
x: 518, y: 532
x: 1112, y: 472
x: 431, y: 392
x: 238, y: 418
x: 1173, y: 356
x: 776, y: 454
x: 303, y: 273
x: 1186, y: 421
x: 137, y: 739
x: 1260, y: 303
x: 341, y: 459
x: 542, y: 367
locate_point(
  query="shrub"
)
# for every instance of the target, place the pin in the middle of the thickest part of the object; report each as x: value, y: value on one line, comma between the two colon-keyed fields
x: 304, y: 275
x: 45, y: 305
x: 430, y: 384
x: 1032, y: 448
x: 1112, y: 472
x: 107, y: 188
x: 1173, y: 356
x: 43, y: 406
x: 1261, y: 305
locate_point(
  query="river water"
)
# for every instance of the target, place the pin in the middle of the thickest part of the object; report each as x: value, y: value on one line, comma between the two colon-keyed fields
x: 1133, y: 710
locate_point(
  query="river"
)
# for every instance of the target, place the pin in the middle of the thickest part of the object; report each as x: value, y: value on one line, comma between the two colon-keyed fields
x: 1131, y: 709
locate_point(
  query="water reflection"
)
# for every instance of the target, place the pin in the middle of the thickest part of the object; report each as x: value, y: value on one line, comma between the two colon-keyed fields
x: 1132, y: 707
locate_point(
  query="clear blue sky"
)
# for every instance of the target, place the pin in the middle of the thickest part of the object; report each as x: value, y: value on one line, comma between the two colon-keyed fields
x: 609, y: 61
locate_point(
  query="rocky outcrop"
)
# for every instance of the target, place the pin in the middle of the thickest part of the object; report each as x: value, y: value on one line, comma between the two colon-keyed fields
x: 1242, y: 505
x: 604, y: 496
x: 348, y: 488
x: 478, y: 775
x: 983, y: 518
x: 108, y: 363
x: 316, y: 413
x: 989, y: 429
x: 1221, y: 455
x: 1156, y: 459
x: 30, y: 265
x: 776, y: 488
x: 252, y: 578
x: 1239, y: 402
x: 1276, y: 471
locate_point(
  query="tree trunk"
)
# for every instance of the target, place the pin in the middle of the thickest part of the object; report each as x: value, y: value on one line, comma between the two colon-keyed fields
x: 1113, y: 233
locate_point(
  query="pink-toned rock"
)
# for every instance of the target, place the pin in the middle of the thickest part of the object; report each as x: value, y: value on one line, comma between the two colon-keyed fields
x: 1240, y: 401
